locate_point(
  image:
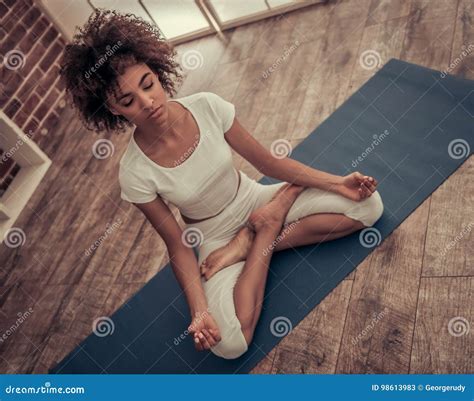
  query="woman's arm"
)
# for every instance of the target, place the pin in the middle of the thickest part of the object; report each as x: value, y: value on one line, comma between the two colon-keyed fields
x: 186, y: 270
x: 354, y: 186
x: 182, y: 259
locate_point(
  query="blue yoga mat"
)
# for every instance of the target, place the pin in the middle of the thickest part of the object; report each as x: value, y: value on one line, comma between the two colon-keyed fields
x: 408, y: 126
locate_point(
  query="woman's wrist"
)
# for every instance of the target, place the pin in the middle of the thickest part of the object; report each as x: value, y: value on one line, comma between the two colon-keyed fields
x: 197, y: 307
x: 338, y: 180
x: 335, y: 183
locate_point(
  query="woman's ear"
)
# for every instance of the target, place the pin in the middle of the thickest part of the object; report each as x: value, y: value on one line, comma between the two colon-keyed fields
x: 111, y: 108
x: 108, y: 104
x: 113, y: 111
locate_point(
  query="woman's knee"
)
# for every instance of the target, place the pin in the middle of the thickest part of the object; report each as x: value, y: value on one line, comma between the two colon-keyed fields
x: 373, y: 209
x: 231, y: 346
x: 221, y: 304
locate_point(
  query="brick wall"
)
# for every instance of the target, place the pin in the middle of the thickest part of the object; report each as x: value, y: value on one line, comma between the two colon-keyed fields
x: 30, y: 91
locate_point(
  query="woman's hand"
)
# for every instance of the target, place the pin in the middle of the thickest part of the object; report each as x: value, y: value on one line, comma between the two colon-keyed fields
x: 356, y: 186
x: 204, y: 330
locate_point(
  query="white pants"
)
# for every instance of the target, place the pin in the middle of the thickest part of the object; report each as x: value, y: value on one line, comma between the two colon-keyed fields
x: 219, y: 230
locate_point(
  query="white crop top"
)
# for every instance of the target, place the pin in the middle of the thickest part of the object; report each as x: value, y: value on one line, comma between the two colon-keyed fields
x: 205, y: 182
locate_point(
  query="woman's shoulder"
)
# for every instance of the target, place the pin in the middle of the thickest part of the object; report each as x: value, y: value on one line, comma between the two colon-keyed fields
x: 128, y: 155
x: 135, y: 182
x: 131, y: 165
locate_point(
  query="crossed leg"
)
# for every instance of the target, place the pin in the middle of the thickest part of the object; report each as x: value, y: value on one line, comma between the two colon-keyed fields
x: 317, y: 217
x: 266, y: 221
x: 236, y: 293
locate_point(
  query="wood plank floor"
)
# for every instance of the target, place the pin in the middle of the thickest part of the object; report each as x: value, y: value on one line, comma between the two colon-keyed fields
x: 416, y: 282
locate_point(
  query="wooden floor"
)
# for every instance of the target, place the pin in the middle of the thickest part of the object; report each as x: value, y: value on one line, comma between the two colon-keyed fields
x: 416, y: 285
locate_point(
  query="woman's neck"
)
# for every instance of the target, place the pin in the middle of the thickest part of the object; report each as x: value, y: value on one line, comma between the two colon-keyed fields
x: 152, y: 133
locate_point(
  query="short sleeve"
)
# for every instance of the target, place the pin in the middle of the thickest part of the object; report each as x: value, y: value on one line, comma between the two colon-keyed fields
x: 133, y: 189
x: 224, y: 110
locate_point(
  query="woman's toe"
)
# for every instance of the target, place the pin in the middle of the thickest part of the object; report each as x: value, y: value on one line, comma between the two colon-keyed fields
x: 203, y: 268
x: 209, y: 273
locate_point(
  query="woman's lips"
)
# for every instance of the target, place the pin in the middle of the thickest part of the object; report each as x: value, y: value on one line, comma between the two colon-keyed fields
x: 156, y: 113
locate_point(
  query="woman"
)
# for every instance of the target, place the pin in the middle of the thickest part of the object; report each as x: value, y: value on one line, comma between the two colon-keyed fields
x: 119, y: 73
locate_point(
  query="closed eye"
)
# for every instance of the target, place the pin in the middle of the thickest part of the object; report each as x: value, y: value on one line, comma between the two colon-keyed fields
x: 131, y: 101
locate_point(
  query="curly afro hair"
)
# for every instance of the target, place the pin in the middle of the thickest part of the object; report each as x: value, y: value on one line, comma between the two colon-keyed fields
x: 100, y: 52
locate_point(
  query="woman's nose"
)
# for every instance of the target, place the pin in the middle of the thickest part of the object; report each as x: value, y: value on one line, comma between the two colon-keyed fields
x: 147, y: 102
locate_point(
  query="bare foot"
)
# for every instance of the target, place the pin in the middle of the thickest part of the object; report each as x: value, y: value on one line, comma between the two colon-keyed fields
x: 270, y: 215
x: 235, y: 251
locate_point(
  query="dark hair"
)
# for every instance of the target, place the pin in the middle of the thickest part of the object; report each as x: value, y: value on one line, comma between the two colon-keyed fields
x: 100, y: 52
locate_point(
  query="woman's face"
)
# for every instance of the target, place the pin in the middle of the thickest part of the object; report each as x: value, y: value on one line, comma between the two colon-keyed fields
x: 140, y: 97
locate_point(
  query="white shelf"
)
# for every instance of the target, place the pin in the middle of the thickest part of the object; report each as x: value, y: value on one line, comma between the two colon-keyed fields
x: 34, y: 164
